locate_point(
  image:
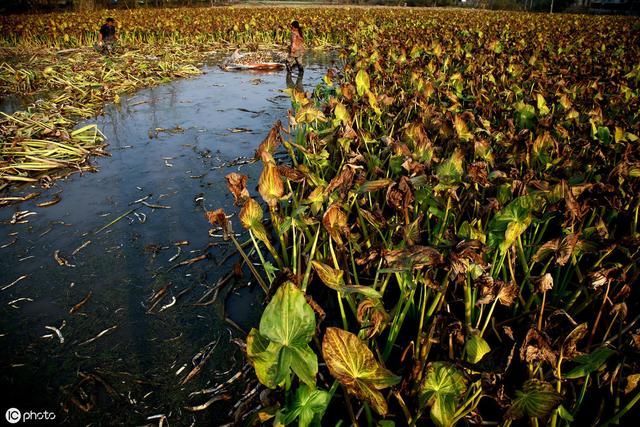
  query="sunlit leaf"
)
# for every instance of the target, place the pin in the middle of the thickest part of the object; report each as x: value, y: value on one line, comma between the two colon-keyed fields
x: 505, y: 227
x: 330, y: 276
x: 569, y: 350
x: 251, y: 219
x: 475, y: 348
x: 378, y: 184
x: 537, y: 399
x: 282, y: 343
x: 450, y: 171
x: 442, y: 390
x: 352, y: 363
x: 342, y: 114
x: 525, y: 116
x: 589, y: 363
x: 308, y: 406
x: 413, y: 258
x: 270, y: 184
x: 461, y: 129
x: 362, y: 82
x: 335, y: 222
x: 542, y: 105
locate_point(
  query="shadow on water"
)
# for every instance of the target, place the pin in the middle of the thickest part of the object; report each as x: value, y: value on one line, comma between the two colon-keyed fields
x: 105, y: 325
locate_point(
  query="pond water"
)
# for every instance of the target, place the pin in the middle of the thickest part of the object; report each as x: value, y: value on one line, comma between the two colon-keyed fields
x: 122, y: 356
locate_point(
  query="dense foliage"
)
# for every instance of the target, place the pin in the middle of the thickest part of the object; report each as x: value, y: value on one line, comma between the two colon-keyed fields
x: 454, y: 236
x: 461, y: 210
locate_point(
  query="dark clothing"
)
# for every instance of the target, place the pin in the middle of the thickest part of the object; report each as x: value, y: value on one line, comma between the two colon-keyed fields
x: 294, y: 60
x: 298, y: 84
x: 108, y: 33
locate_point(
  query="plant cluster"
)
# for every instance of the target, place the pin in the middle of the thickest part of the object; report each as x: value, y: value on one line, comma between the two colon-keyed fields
x: 454, y: 235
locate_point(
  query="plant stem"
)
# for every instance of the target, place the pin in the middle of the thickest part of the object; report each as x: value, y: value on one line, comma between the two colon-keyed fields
x: 627, y: 408
x: 263, y: 285
x: 262, y: 260
x: 307, y: 273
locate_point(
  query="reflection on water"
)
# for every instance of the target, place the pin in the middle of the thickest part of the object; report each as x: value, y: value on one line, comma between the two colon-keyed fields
x: 11, y: 103
x: 111, y: 297
x: 298, y: 83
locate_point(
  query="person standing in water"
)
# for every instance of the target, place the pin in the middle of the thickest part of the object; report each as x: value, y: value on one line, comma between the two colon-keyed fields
x: 296, y: 49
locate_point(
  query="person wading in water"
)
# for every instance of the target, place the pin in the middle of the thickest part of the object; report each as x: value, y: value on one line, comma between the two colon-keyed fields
x: 296, y: 49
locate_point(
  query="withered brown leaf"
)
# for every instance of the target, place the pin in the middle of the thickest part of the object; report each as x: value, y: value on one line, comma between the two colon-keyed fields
x: 335, y: 222
x: 290, y: 173
x: 237, y: 185
x: 271, y: 142
x: 536, y: 348
x: 414, y: 258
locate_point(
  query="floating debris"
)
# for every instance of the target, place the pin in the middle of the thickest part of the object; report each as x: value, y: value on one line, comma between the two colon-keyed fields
x: 208, y: 403
x: 56, y: 199
x: 142, y: 217
x: 79, y: 305
x: 140, y: 200
x: 189, y: 261
x: 156, y: 297
x: 259, y: 60
x: 13, y: 283
x: 57, y: 332
x: 81, y: 247
x: 17, y: 199
x: 152, y: 206
x: 6, y: 245
x: 238, y: 130
x: 61, y: 261
x: 173, y: 258
x: 124, y: 215
x: 171, y: 304
x: 19, y: 217
x: 200, y: 359
x: 101, y: 334
x: 15, y: 301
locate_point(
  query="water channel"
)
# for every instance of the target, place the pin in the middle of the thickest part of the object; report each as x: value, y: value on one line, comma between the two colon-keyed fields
x: 104, y: 324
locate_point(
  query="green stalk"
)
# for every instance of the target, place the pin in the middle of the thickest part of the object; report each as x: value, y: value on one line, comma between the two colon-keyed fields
x: 467, y: 301
x: 616, y: 418
x: 262, y: 260
x: 394, y: 330
x: 307, y: 273
x: 294, y: 255
x: 283, y: 244
x: 444, y: 221
x: 263, y: 285
x: 488, y: 318
x: 582, y: 392
x: 345, y: 324
x: 423, y: 305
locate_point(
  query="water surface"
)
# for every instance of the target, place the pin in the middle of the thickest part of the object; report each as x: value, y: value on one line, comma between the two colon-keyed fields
x: 122, y: 361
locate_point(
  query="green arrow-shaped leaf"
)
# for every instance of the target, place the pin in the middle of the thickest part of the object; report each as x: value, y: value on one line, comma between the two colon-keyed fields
x: 282, y: 343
